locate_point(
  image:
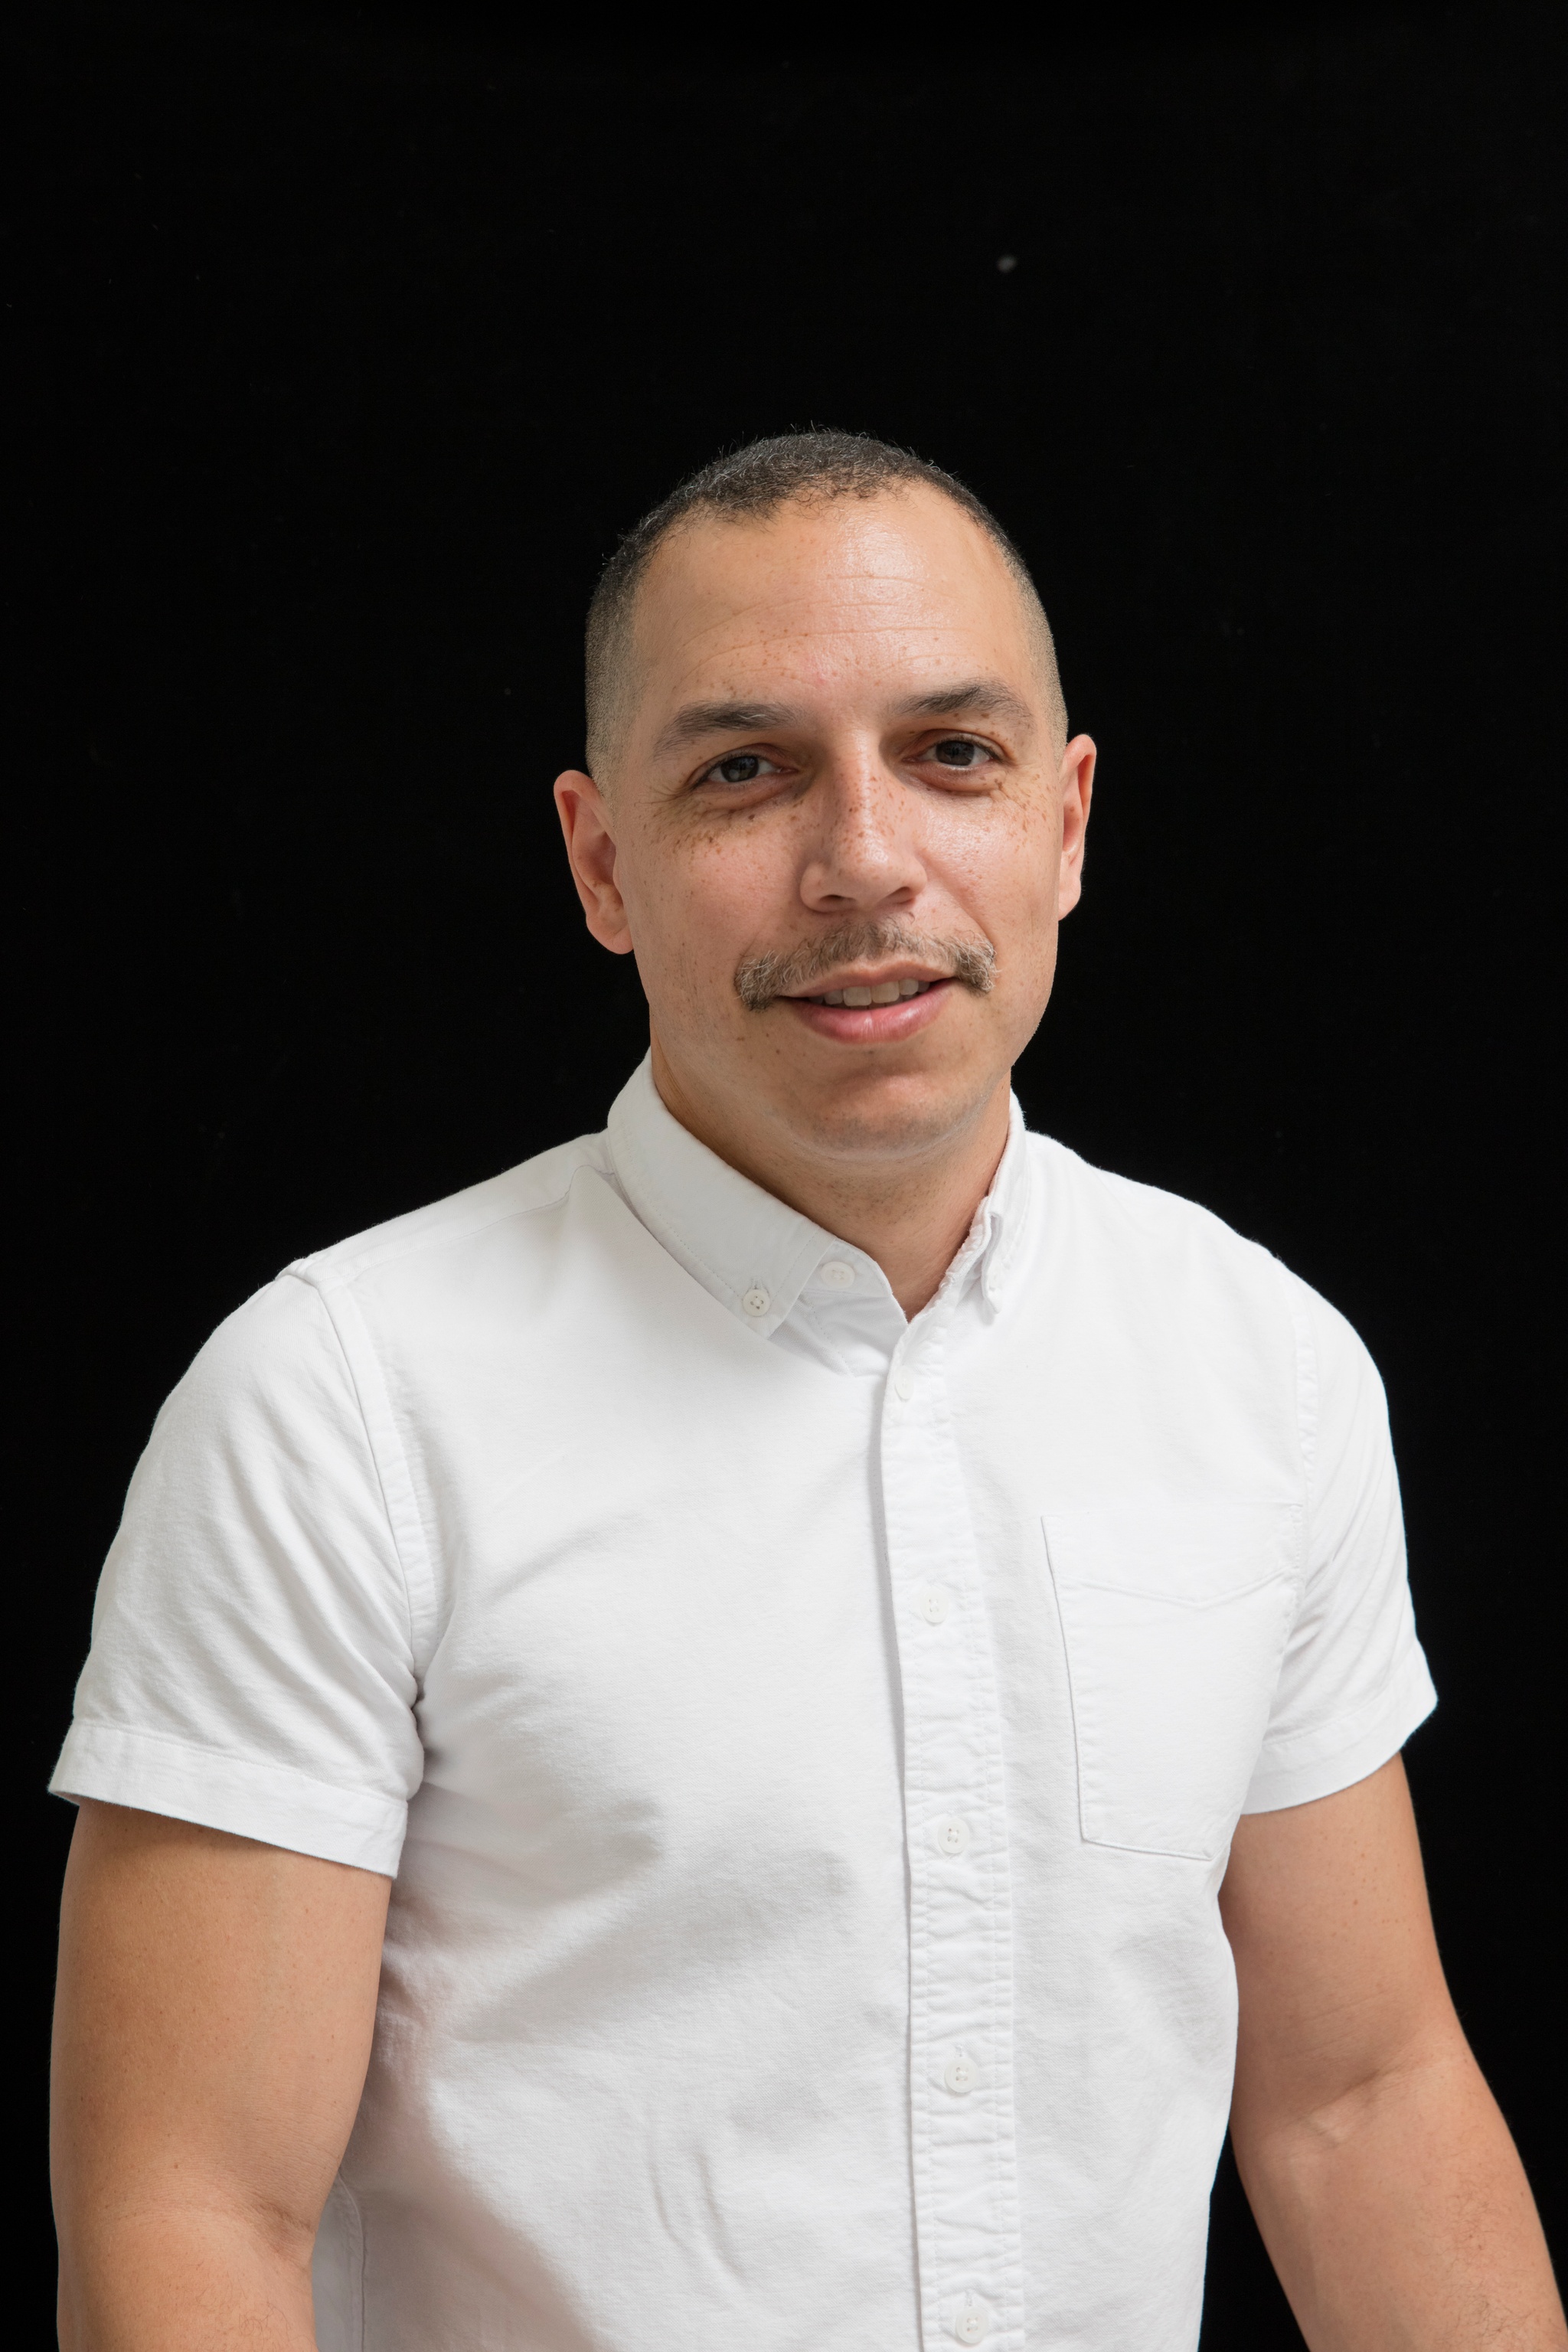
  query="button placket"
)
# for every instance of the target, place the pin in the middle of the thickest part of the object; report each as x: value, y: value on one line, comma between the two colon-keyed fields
x: 972, y: 2321
x: 960, y: 1927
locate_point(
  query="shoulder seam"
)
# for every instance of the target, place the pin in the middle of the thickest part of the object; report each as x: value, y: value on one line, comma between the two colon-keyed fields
x: 375, y: 1452
x: 1307, y: 1398
x: 309, y: 1269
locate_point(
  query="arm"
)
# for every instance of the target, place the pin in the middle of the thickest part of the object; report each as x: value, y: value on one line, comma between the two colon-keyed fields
x: 1380, y: 2172
x: 212, y: 2030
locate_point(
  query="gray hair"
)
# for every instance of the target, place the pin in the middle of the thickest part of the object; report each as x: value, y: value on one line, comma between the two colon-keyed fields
x: 748, y: 486
x: 762, y: 978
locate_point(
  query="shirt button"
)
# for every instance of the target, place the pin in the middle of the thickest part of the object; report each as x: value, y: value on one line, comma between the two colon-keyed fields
x: 973, y: 2324
x: 950, y: 1832
x: 933, y: 1603
x: 961, y: 2074
x: 835, y: 1273
x: 756, y: 1300
x: 903, y: 1387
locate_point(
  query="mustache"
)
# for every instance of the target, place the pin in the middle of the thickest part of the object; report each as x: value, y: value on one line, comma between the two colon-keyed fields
x: 763, y: 978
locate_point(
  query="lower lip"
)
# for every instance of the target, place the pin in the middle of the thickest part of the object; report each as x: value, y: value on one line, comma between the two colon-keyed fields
x: 872, y: 1025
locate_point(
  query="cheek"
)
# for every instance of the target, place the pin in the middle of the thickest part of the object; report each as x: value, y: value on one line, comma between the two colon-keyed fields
x: 731, y: 885
x: 1005, y: 874
x: 700, y: 905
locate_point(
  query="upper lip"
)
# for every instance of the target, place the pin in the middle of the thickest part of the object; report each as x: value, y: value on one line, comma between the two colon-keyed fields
x: 874, y: 976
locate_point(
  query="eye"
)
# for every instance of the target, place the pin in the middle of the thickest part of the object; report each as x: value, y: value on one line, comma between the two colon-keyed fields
x: 739, y: 768
x: 957, y: 752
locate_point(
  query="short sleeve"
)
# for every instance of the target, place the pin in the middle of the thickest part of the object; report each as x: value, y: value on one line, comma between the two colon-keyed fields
x: 1354, y: 1684
x: 252, y: 1664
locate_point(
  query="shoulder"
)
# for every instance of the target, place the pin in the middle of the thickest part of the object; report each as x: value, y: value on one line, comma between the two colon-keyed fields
x: 1169, y: 1261
x: 287, y: 1342
x: 520, y: 1198
x: 1145, y: 1225
x: 1167, y: 1256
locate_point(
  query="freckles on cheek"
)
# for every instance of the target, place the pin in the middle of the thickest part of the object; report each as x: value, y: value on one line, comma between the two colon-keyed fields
x: 705, y: 912
x: 733, y: 883
x: 1004, y: 873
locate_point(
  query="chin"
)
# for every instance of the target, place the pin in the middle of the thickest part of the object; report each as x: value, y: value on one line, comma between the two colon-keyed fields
x: 893, y: 1115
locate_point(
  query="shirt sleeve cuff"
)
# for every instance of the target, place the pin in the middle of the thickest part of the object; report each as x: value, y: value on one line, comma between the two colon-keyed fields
x: 266, y: 1801
x: 1335, y: 1755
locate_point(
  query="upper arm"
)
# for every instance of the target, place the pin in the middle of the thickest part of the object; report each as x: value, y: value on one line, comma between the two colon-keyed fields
x: 253, y: 1663
x: 1337, y: 1966
x: 215, y: 2005
x: 1353, y: 1683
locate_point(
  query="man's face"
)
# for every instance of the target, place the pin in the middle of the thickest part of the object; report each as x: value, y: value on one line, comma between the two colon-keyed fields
x: 838, y: 776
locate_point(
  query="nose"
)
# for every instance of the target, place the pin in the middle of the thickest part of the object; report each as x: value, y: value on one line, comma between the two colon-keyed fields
x: 863, y: 854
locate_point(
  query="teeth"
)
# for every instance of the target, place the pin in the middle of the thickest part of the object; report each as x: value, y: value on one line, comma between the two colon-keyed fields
x: 886, y: 991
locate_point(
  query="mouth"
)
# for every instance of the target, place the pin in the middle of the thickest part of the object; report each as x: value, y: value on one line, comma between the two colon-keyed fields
x: 873, y: 1012
x: 888, y: 970
x: 875, y: 991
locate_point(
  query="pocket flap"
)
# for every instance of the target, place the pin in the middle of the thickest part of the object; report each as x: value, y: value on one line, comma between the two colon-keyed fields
x: 1180, y: 1550
x: 1175, y: 1619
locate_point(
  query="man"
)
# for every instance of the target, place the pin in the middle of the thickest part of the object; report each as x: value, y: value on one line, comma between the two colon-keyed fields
x: 847, y: 1636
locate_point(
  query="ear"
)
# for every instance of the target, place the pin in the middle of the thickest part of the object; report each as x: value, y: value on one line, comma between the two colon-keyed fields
x: 1076, y: 782
x: 591, y: 853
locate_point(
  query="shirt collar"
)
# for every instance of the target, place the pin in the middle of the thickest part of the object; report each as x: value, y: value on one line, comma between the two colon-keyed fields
x: 747, y: 1248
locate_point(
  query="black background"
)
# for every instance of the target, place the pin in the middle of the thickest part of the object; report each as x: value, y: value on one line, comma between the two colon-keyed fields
x: 348, y: 340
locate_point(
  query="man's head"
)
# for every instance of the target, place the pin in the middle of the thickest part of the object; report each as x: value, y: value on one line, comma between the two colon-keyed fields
x: 829, y: 751
x: 750, y: 486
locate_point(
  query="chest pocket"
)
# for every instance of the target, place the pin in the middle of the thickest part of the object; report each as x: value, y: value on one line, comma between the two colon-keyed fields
x: 1175, y: 1617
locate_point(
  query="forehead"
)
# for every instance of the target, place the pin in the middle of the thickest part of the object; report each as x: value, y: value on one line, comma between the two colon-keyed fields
x: 849, y: 592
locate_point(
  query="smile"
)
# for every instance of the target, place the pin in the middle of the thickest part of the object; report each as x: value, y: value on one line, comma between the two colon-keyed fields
x: 884, y: 991
x: 872, y: 1011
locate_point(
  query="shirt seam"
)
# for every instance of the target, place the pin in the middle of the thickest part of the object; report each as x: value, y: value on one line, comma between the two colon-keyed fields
x: 1306, y: 1402
x: 1346, y: 1727
x: 675, y: 1243
x: 234, y: 1756
x: 1001, y: 1991
x: 324, y: 1268
x: 415, y: 1644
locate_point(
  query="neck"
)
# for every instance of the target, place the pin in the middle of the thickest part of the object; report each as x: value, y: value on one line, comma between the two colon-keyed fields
x: 910, y: 1211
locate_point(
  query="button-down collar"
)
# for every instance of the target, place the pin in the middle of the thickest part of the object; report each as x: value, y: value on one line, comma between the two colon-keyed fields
x: 776, y: 1270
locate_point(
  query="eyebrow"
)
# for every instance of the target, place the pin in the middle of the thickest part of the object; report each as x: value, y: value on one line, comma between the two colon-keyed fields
x: 984, y: 696
x: 695, y: 720
x: 987, y: 696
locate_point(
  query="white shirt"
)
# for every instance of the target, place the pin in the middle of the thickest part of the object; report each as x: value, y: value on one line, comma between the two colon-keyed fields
x: 808, y: 1742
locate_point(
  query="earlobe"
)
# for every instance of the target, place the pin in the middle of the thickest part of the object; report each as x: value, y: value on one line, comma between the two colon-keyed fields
x: 591, y: 853
x: 1077, y: 784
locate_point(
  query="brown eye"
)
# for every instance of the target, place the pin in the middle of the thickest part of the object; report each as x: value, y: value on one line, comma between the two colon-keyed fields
x: 739, y: 768
x: 957, y: 752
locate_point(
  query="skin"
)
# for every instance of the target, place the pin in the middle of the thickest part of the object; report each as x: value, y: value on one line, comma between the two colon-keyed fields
x: 838, y: 622
x: 212, y: 2028
x: 216, y: 1997
x: 1383, y: 2179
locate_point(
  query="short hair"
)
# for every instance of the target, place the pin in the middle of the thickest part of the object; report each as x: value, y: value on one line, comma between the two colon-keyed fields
x: 748, y: 485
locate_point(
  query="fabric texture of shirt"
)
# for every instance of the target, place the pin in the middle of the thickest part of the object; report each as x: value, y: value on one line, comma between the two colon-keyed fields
x: 807, y: 1742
